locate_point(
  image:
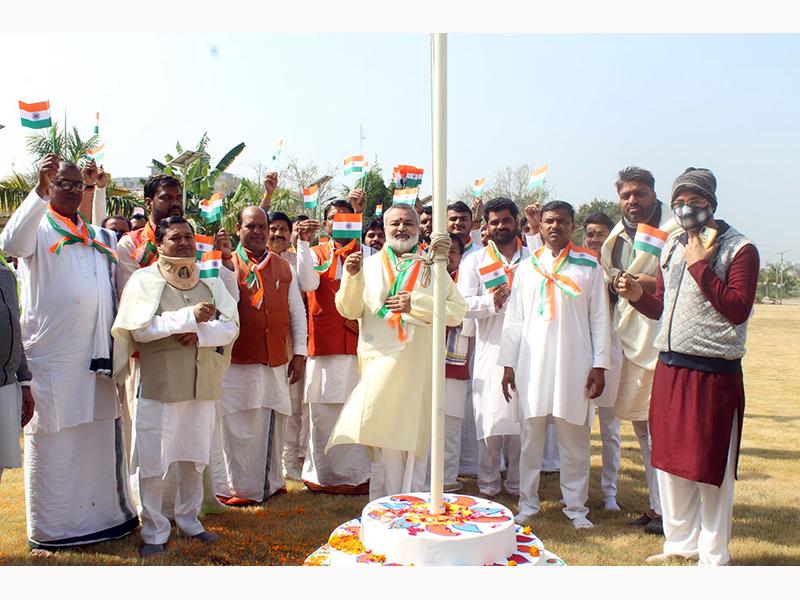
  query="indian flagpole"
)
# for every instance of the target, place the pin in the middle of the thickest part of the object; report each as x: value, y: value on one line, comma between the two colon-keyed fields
x: 439, y: 143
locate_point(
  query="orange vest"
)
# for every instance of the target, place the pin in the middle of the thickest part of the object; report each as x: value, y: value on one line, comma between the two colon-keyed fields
x: 264, y: 332
x: 328, y: 331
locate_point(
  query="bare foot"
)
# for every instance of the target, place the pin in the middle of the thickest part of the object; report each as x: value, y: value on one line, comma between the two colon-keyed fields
x: 41, y: 553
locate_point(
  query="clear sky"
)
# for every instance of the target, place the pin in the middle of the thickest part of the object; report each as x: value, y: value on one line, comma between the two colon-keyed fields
x: 585, y: 104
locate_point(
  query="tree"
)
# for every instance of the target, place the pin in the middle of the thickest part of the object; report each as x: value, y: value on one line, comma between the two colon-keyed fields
x: 376, y: 190
x: 201, y: 182
x: 512, y: 182
x: 69, y: 146
x: 777, y: 281
x: 594, y: 206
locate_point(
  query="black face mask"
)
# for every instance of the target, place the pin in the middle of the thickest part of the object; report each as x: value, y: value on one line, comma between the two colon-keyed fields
x: 692, y: 217
x: 119, y: 234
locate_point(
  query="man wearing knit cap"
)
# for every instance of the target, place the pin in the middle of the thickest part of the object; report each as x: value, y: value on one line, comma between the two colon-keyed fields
x: 642, y: 211
x: 705, y: 293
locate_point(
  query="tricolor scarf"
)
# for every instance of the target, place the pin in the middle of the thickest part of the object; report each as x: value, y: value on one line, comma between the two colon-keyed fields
x: 509, y: 267
x: 73, y: 235
x: 147, y: 252
x: 551, y: 280
x: 331, y: 265
x: 400, y: 280
x: 253, y: 277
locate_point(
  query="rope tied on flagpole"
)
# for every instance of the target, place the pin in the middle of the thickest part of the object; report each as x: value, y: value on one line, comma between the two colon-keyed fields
x: 437, y: 252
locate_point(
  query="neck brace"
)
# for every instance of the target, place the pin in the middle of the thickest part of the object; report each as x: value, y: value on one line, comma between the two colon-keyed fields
x: 180, y: 272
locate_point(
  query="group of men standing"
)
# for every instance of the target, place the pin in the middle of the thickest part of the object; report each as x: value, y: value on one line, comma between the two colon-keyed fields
x: 215, y: 360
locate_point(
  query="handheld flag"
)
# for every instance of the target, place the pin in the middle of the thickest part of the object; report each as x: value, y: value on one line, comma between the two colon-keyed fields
x: 537, y: 177
x: 210, y: 264
x: 650, y: 239
x: 98, y: 153
x: 276, y: 154
x: 407, y: 176
x: 203, y: 243
x: 310, y: 196
x: 354, y: 165
x: 378, y: 210
x: 35, y: 115
x: 477, y: 187
x: 211, y: 208
x: 493, y: 275
x: 347, y: 226
x: 405, y: 196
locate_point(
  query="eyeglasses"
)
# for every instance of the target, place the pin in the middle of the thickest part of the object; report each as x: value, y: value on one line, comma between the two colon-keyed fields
x: 69, y: 185
x: 694, y: 203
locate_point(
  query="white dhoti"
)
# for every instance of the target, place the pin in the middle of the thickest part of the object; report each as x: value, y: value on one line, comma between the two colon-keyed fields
x: 610, y: 443
x: 573, y: 450
x: 296, y: 441
x: 395, y: 472
x: 468, y: 462
x: 10, y: 418
x: 456, y: 391
x: 246, y: 462
x: 550, y: 462
x: 697, y: 516
x: 490, y: 450
x: 329, y: 382
x: 76, y: 485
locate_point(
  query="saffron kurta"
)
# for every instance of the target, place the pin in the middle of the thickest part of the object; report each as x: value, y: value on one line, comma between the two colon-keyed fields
x: 390, y: 406
x: 75, y: 472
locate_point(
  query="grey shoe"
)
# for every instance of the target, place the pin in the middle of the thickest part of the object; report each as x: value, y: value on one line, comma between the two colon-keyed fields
x: 655, y: 526
x: 148, y: 550
x: 207, y: 537
x: 453, y: 487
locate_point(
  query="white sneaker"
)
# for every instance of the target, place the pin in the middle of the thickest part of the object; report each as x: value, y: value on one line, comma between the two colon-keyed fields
x: 582, y: 523
x: 523, y: 517
x: 610, y: 503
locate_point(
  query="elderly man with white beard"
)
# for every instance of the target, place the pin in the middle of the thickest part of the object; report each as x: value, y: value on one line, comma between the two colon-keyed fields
x: 389, y: 410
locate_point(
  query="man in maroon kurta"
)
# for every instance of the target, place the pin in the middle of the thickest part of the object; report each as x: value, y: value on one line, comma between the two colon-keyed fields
x: 705, y: 294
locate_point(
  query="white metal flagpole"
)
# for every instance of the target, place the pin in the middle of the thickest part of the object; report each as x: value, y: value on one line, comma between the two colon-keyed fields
x: 439, y: 120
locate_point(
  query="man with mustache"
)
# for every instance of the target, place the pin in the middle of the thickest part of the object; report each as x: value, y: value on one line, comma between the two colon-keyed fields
x: 183, y: 325
x: 640, y: 206
x: 395, y: 312
x: 555, y: 350
x: 496, y: 427
x: 76, y: 475
x: 332, y: 370
x: 256, y: 400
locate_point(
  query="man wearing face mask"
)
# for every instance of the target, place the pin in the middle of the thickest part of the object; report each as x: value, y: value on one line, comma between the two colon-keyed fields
x: 256, y: 399
x: 704, y: 297
x: 640, y: 208
x: 395, y: 312
x: 183, y: 327
x: 76, y: 484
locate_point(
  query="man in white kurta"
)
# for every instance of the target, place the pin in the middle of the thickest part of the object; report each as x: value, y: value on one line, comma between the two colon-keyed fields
x: 247, y: 463
x: 389, y: 410
x: 555, y: 348
x: 168, y: 313
x: 76, y: 476
x: 495, y: 422
x: 640, y: 207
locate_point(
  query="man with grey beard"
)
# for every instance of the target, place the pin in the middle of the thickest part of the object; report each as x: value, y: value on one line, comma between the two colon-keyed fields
x: 394, y: 309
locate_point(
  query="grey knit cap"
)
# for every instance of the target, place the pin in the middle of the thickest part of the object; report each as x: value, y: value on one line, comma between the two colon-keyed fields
x: 701, y: 181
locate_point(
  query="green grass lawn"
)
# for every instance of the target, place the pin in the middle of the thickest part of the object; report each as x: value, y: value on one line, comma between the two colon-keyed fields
x: 287, y: 528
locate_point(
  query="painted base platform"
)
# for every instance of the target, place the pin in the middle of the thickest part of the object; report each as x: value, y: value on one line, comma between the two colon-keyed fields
x: 400, y: 531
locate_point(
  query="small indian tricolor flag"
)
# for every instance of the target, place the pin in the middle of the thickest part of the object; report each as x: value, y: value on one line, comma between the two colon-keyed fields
x: 277, y: 151
x: 211, y: 208
x: 354, y: 165
x: 477, y: 187
x: 407, y: 176
x: 210, y: 264
x: 310, y: 196
x: 378, y: 210
x: 347, y: 226
x: 35, y: 115
x: 650, y: 239
x: 537, y: 177
x: 97, y: 154
x: 203, y: 243
x: 493, y: 275
x: 578, y: 255
x: 405, y: 196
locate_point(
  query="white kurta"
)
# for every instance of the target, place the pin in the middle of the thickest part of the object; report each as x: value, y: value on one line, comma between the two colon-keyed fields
x: 493, y: 415
x: 64, y: 299
x: 552, y: 359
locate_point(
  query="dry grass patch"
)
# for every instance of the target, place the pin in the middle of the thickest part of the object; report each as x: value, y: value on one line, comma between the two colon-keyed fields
x: 289, y: 527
